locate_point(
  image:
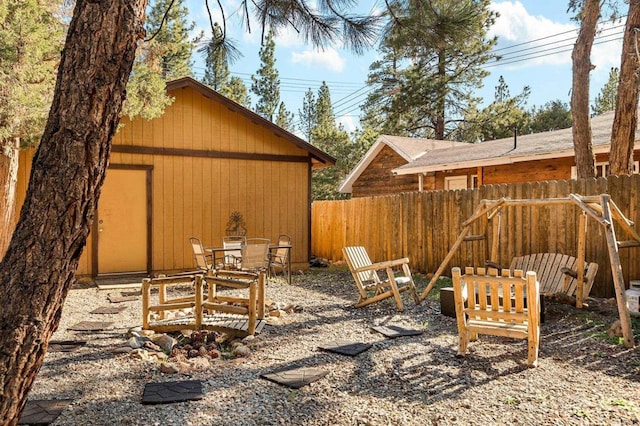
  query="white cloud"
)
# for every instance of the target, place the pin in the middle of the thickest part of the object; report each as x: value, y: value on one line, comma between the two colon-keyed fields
x: 347, y: 123
x: 328, y: 58
x: 554, y: 41
x: 515, y: 25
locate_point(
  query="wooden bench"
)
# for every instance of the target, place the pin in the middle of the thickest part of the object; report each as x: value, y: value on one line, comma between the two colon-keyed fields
x: 494, y: 313
x: 556, y: 272
x: 211, y: 311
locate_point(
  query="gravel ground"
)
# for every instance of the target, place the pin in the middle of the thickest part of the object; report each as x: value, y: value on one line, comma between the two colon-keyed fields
x: 583, y: 377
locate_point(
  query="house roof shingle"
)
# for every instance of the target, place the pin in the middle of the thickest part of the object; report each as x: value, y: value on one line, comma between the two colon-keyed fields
x: 536, y: 146
x: 407, y: 147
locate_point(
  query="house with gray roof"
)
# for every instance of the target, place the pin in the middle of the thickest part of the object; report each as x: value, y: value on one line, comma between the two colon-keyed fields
x: 373, y: 175
x: 525, y: 158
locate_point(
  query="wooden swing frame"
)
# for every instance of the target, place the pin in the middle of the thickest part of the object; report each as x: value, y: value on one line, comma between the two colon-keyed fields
x: 599, y: 207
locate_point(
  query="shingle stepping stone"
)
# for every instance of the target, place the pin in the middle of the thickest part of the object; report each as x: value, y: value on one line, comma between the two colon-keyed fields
x: 393, y: 331
x: 120, y: 299
x: 168, y: 392
x: 65, y: 345
x: 295, y: 377
x: 108, y: 310
x: 42, y: 411
x: 91, y: 326
x: 346, y: 347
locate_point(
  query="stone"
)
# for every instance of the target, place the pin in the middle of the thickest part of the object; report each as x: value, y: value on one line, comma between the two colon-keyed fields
x: 249, y: 338
x: 166, y: 342
x: 158, y: 356
x: 276, y: 313
x: 152, y: 346
x: 135, y: 342
x: 615, y: 330
x: 168, y: 368
x: 123, y: 350
x: 199, y: 364
x: 137, y: 330
x: 241, y: 350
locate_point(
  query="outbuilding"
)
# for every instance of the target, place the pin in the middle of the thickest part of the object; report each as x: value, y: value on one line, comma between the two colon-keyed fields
x: 186, y: 174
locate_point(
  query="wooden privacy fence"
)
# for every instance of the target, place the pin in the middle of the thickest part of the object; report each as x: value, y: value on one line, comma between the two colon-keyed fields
x: 423, y: 226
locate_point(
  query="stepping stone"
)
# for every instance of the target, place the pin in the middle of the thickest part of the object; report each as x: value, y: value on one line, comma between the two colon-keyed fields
x: 345, y: 347
x: 131, y: 293
x: 120, y: 299
x: 65, y: 345
x: 295, y: 377
x: 43, y: 411
x: 91, y: 326
x: 108, y: 310
x: 168, y: 392
x: 393, y: 331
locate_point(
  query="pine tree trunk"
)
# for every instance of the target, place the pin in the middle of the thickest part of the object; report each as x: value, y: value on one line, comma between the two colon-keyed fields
x: 441, y: 96
x: 626, y: 117
x: 67, y: 174
x: 9, y: 156
x: 580, y: 92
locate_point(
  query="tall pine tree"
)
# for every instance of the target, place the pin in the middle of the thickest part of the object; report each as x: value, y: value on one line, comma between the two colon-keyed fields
x: 166, y: 56
x: 169, y: 52
x: 433, y: 57
x: 216, y: 72
x: 606, y: 99
x: 31, y: 38
x: 284, y: 118
x: 307, y: 114
x: 237, y: 91
x: 266, y: 85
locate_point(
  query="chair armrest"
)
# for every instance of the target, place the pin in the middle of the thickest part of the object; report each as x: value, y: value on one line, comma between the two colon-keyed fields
x: 383, y: 265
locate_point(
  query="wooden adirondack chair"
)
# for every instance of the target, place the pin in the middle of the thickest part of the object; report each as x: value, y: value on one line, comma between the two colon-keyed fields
x: 488, y: 303
x: 370, y: 286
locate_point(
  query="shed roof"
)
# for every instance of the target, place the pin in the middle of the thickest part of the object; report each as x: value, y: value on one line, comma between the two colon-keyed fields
x: 407, y: 147
x: 536, y: 146
x: 319, y: 158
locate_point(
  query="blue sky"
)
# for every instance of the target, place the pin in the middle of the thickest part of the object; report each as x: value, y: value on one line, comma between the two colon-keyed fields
x: 535, y: 39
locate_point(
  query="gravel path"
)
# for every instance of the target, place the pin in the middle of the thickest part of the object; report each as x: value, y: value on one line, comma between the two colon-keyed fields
x: 583, y: 377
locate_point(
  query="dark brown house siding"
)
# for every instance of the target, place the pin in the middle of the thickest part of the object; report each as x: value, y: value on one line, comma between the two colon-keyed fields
x: 377, y: 178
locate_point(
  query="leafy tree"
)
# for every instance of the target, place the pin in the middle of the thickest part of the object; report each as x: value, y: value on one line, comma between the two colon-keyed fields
x: 169, y: 51
x: 237, y: 91
x: 553, y: 115
x: 146, y: 93
x: 325, y: 182
x: 308, y: 114
x: 324, y: 110
x: 625, y: 120
x: 497, y: 120
x: 266, y: 85
x: 284, y: 118
x: 216, y: 73
x: 31, y: 37
x: 38, y: 268
x: 433, y: 57
x: 384, y: 108
x: 606, y: 99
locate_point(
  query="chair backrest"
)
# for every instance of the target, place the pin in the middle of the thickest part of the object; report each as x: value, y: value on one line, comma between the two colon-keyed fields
x: 255, y: 254
x: 281, y: 253
x: 491, y: 297
x: 199, y: 254
x: 234, y: 244
x: 357, y: 257
x: 549, y: 271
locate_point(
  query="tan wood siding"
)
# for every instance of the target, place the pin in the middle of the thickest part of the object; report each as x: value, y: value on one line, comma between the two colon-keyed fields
x: 193, y: 195
x: 377, y: 178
